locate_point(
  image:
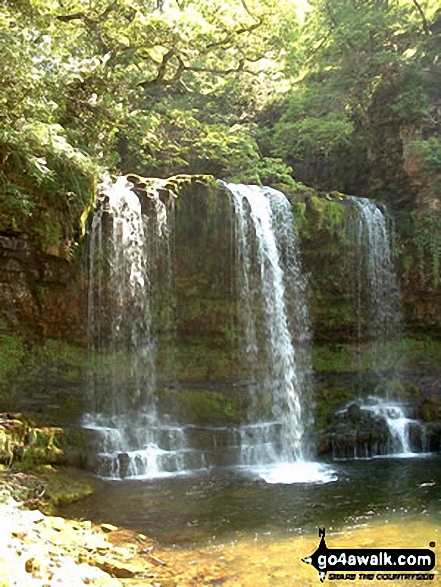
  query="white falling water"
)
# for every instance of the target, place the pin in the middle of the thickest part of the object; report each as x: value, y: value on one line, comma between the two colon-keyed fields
x: 128, y: 250
x: 379, y: 310
x: 378, y: 291
x: 124, y: 247
x: 397, y: 422
x: 274, y: 313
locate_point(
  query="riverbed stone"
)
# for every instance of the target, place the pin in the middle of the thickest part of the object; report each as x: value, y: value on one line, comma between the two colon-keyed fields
x: 113, y: 566
x: 108, y: 528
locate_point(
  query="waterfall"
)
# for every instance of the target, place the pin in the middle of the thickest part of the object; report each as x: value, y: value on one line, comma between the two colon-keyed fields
x: 159, y: 272
x: 378, y: 292
x: 379, y: 318
x: 126, y: 251
x: 276, y: 334
x: 265, y: 226
x: 397, y: 423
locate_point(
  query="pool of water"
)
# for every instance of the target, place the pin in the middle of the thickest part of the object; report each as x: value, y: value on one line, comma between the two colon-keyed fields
x: 225, y: 505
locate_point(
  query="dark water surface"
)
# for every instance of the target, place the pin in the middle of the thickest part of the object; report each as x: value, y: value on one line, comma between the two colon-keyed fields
x: 225, y: 505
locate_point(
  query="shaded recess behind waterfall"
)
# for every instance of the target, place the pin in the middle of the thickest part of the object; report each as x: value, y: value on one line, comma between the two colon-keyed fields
x: 176, y: 383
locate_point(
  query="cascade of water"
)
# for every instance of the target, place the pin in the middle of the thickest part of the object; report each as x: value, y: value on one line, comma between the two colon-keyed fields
x: 378, y: 292
x: 398, y: 424
x: 125, y: 249
x: 132, y: 317
x: 379, y: 317
x: 275, y: 324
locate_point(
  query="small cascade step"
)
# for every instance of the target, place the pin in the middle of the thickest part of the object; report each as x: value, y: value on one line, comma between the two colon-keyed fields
x: 396, y: 420
x: 185, y: 449
x: 377, y: 427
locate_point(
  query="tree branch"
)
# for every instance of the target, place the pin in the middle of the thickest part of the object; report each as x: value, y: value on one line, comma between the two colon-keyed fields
x: 161, y: 80
x: 228, y: 38
x: 76, y: 16
x: 87, y: 19
x: 91, y: 23
x: 240, y: 67
x: 247, y: 10
x: 426, y: 27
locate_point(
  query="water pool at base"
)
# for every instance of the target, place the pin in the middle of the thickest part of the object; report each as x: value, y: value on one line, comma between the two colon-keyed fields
x: 224, y: 527
x: 228, y: 505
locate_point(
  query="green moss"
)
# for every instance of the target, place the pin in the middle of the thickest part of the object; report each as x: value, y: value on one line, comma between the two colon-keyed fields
x: 336, y: 359
x: 328, y: 400
x: 66, y: 360
x: 23, y: 444
x: 32, y: 368
x: 294, y: 191
x: 320, y: 214
x: 206, y: 360
x: 333, y: 311
x: 301, y: 222
x: 354, y: 358
x: 203, y: 407
x: 334, y: 220
x: 12, y: 355
x: 420, y: 247
x: 421, y: 353
x: 328, y: 215
x: 62, y: 486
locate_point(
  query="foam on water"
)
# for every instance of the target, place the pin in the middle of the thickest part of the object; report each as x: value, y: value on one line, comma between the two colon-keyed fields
x: 298, y: 472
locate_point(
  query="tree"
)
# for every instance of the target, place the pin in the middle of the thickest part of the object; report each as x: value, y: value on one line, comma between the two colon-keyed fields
x: 365, y: 62
x: 89, y: 85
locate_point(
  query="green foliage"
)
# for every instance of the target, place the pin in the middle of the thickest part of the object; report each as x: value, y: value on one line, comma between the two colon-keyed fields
x: 161, y: 140
x: 23, y: 363
x: 12, y: 354
x: 46, y: 182
x: 413, y: 102
x: 427, y: 238
x: 364, y: 63
x: 430, y: 150
x: 157, y: 89
x: 247, y: 92
x: 309, y: 138
x: 314, y: 125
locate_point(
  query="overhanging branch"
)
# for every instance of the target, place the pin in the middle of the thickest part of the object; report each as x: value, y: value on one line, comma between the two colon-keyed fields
x: 426, y: 27
x: 231, y: 35
x: 161, y: 80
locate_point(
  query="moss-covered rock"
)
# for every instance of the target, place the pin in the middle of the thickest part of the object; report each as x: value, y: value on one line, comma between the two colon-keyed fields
x: 61, y: 487
x: 203, y: 406
x: 21, y: 442
x: 353, y: 432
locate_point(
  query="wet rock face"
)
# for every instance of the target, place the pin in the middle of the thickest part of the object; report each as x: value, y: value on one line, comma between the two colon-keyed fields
x: 432, y: 437
x: 45, y: 294
x: 354, y: 432
x: 40, y: 294
x: 357, y: 431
